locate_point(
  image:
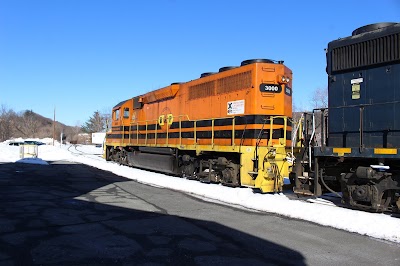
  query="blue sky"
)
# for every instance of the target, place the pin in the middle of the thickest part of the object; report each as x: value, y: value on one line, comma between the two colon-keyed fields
x: 80, y: 56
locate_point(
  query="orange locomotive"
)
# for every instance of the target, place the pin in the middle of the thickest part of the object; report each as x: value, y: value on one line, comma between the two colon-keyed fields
x: 233, y: 127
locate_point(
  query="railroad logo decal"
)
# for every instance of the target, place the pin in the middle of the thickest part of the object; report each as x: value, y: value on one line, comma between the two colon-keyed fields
x: 170, y: 119
x: 274, y: 88
x: 165, y: 117
x: 235, y: 107
x: 288, y: 91
x: 161, y: 120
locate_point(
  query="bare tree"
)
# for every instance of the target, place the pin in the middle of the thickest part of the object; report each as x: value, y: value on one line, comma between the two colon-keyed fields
x: 7, y: 121
x: 27, y: 124
x: 106, y: 114
x: 319, y: 98
x: 72, y: 133
x: 30, y: 123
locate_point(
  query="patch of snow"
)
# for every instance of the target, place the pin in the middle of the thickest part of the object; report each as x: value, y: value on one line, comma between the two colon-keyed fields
x: 32, y: 161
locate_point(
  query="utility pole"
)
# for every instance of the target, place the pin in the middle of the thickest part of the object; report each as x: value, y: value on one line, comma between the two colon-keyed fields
x: 54, y: 125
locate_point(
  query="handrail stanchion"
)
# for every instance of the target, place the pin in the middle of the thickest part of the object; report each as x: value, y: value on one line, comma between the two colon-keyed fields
x: 137, y: 133
x: 284, y: 129
x: 129, y: 132
x: 271, y: 122
x: 233, y: 131
x: 123, y: 135
x: 180, y: 131
x: 195, y: 133
x: 167, y: 135
x: 155, y: 134
x: 145, y: 140
x: 212, y: 132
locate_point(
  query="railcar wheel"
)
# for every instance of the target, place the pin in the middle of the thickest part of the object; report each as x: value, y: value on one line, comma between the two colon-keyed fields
x: 386, y: 200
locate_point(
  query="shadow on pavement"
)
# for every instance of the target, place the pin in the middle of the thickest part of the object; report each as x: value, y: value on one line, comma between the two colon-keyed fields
x: 52, y: 215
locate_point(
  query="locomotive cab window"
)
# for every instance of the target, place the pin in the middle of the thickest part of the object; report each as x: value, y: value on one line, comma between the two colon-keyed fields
x: 126, y: 113
x: 116, y: 114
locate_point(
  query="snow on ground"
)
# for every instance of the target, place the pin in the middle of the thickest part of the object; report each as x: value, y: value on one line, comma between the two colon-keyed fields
x: 377, y: 225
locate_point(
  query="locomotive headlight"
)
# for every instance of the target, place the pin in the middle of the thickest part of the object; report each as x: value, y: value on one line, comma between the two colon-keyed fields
x: 282, y: 79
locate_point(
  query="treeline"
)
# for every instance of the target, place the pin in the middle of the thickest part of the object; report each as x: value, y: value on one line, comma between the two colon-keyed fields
x: 28, y: 124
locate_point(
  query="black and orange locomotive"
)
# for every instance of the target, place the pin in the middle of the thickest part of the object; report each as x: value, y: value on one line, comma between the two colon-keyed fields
x: 232, y: 126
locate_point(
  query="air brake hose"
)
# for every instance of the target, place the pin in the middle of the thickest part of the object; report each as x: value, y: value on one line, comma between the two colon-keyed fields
x: 328, y: 188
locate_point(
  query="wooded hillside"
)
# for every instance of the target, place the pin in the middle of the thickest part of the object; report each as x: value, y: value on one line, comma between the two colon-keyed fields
x: 28, y: 124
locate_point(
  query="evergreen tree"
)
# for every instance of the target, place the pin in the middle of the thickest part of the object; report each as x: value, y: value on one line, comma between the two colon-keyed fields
x: 96, y: 123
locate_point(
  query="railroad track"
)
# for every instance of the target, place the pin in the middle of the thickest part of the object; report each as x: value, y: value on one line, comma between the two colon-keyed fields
x: 74, y: 149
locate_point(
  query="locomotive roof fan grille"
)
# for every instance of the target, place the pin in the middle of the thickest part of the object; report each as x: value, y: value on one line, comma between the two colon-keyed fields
x: 367, y: 51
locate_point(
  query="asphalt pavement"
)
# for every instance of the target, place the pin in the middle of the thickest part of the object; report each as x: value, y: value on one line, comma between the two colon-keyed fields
x: 73, y: 214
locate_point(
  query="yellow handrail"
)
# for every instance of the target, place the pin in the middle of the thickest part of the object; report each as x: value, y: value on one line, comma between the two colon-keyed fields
x: 180, y: 131
x: 180, y: 117
x: 212, y: 132
x: 167, y: 138
x: 123, y: 135
x: 271, y: 119
x: 233, y: 131
x: 195, y: 132
x: 155, y: 136
x: 145, y: 140
x: 129, y: 132
x: 137, y: 133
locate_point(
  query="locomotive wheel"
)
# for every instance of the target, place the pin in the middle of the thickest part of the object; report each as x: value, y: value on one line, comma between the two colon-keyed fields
x: 117, y: 156
x: 109, y: 154
x: 123, y: 157
x: 230, y: 177
x: 188, y: 172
